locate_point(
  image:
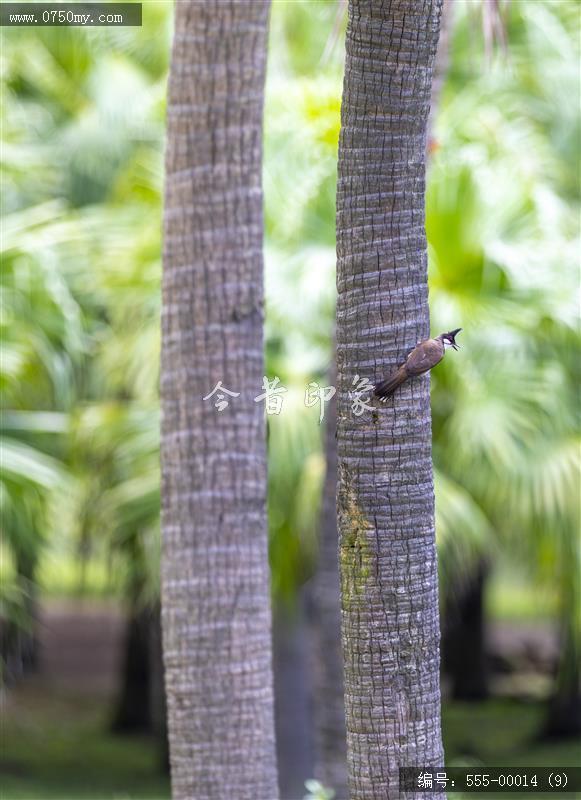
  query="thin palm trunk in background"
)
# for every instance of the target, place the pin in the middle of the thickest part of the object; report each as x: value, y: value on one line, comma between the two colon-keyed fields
x: 385, y: 503
x: 464, y: 655
x: 215, y: 581
x: 441, y: 64
x: 329, y: 705
x: 292, y: 698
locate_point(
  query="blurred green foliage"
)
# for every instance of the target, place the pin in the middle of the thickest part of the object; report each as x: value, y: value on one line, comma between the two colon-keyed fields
x: 82, y: 181
x: 80, y: 759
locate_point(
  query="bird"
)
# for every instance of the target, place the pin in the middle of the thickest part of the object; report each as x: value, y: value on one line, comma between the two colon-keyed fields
x: 422, y: 358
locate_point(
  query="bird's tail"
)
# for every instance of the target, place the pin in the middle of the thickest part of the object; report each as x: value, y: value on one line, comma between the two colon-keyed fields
x: 387, y: 387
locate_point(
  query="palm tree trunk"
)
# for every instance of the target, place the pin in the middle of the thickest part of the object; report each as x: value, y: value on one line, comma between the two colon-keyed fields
x: 329, y: 705
x: 215, y: 581
x: 441, y: 63
x: 292, y: 698
x: 157, y: 701
x: 564, y: 712
x: 464, y: 636
x: 133, y: 713
x: 388, y: 567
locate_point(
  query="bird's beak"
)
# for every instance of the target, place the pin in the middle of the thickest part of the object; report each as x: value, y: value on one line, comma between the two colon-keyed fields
x: 452, y: 336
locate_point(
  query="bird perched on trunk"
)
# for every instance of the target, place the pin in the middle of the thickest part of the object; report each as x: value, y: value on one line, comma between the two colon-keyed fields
x: 422, y: 358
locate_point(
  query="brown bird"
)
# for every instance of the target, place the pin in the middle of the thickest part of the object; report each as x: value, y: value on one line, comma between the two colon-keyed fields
x: 422, y: 358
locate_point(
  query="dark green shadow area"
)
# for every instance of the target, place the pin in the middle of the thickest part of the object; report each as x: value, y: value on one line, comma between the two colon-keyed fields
x: 56, y: 749
x: 503, y: 733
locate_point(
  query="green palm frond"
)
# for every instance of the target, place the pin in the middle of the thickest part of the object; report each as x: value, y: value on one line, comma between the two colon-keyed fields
x: 27, y: 465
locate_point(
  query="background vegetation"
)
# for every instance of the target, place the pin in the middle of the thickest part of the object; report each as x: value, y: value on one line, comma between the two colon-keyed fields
x: 82, y: 181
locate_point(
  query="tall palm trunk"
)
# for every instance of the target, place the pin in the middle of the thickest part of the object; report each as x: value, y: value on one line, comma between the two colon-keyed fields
x: 331, y: 764
x: 329, y: 706
x: 388, y: 565
x: 292, y: 698
x: 215, y: 583
x: 133, y: 713
x: 464, y: 654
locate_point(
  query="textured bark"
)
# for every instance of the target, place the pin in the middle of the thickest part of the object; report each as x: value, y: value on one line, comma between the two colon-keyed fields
x: 215, y: 582
x: 385, y: 502
x: 329, y: 708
